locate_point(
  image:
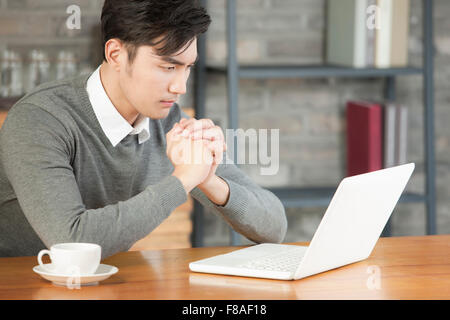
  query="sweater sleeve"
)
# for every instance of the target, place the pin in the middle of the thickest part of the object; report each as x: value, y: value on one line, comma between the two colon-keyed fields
x: 35, y: 150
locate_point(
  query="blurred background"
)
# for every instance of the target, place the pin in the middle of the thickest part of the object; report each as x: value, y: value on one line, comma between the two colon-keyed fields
x: 40, y: 41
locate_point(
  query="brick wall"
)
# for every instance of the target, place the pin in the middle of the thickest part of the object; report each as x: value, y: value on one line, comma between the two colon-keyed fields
x: 309, y: 113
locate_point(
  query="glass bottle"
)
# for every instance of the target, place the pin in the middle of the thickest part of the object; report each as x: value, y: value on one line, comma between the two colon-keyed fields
x: 38, y: 69
x: 5, y: 73
x: 66, y: 65
x: 16, y: 88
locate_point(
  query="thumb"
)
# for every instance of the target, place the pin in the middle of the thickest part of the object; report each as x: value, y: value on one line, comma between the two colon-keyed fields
x: 177, y: 128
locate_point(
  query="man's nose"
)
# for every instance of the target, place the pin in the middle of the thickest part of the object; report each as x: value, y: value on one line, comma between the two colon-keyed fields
x: 178, y: 85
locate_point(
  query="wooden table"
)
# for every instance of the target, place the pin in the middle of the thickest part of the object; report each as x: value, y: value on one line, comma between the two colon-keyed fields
x: 399, y: 268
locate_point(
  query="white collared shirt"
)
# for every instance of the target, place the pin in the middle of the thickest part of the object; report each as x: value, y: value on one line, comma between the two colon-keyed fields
x: 113, y: 124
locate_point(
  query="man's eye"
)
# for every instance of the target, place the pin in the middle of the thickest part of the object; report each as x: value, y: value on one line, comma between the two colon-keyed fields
x: 169, y: 68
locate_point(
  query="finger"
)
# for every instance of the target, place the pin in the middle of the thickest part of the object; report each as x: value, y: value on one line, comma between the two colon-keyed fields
x: 193, y: 125
x: 218, y: 155
x: 214, y: 133
x: 176, y: 129
x: 185, y: 122
x: 218, y: 158
x: 196, y: 135
x: 219, y: 144
x: 185, y: 133
x: 216, y: 148
x: 208, y: 154
x: 210, y: 122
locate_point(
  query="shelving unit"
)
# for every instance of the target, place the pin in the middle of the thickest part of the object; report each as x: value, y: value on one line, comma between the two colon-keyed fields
x: 313, y: 197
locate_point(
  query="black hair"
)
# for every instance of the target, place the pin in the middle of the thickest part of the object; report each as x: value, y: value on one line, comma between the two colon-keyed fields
x: 168, y: 25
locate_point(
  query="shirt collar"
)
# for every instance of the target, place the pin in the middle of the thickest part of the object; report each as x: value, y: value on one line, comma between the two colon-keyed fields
x: 115, y: 127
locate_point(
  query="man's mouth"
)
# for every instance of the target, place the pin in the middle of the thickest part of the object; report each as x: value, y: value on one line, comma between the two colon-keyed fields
x: 167, y: 103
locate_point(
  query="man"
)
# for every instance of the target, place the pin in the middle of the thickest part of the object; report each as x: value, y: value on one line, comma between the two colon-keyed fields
x: 105, y: 158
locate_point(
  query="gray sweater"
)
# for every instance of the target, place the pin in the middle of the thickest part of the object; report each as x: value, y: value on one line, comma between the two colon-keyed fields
x: 61, y: 180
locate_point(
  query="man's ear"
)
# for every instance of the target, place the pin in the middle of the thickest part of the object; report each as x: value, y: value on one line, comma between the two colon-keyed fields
x: 115, y: 53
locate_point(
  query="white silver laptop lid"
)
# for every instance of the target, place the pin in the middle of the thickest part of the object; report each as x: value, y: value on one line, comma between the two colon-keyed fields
x: 354, y: 219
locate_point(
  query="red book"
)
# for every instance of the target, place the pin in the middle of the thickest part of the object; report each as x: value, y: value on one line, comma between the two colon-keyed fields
x: 364, y: 137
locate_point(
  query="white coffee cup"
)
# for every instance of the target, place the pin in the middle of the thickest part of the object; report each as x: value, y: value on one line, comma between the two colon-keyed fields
x: 70, y: 258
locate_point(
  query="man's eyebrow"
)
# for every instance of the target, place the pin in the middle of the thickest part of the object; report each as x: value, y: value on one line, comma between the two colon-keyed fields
x: 175, y: 61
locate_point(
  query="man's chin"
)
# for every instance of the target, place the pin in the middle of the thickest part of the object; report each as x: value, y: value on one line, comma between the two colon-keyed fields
x: 159, y: 115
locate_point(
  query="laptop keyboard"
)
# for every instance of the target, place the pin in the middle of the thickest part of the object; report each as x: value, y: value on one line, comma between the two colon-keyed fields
x: 286, y: 260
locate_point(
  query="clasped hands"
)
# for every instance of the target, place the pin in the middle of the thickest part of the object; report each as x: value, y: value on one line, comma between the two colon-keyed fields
x: 195, y: 148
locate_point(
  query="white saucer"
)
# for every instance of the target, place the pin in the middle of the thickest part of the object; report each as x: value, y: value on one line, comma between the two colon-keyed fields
x: 103, y: 272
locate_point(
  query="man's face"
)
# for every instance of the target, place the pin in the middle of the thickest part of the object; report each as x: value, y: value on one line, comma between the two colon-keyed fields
x: 153, y: 83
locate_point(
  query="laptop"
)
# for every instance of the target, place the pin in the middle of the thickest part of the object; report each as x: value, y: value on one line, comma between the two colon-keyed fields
x: 347, y: 233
